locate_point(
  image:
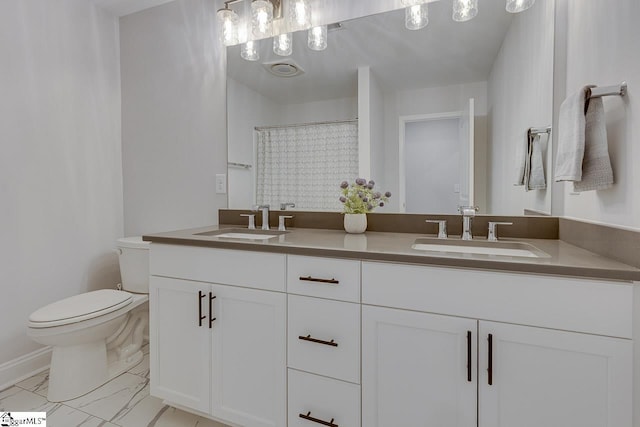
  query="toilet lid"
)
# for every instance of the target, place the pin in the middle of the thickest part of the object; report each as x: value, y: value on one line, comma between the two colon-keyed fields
x: 79, y: 307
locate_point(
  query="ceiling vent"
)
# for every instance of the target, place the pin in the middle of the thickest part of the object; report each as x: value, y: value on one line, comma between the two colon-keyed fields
x: 284, y: 68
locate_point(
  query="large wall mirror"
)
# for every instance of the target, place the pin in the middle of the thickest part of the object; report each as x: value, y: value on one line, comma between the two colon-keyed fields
x: 438, y: 116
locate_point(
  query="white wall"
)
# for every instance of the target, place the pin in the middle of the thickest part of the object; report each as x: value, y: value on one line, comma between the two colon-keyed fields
x: 173, y: 71
x: 520, y: 97
x: 432, y: 101
x: 432, y: 166
x: 319, y: 111
x: 602, y: 45
x: 246, y: 109
x: 60, y: 167
x: 377, y: 135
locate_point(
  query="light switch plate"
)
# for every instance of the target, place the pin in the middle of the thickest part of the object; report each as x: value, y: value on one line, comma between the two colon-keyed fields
x: 221, y: 183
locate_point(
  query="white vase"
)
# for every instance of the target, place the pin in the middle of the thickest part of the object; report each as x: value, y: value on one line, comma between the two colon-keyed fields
x: 355, y: 223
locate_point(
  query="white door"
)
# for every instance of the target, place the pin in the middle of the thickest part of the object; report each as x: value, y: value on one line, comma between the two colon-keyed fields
x: 541, y: 377
x: 467, y: 155
x: 180, y: 342
x: 418, y: 369
x: 249, y: 356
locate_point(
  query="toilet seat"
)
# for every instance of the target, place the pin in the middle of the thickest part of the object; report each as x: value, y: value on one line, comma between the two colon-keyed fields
x: 79, y: 308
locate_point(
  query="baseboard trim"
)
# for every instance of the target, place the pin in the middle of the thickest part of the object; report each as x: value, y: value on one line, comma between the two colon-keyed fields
x: 23, y: 367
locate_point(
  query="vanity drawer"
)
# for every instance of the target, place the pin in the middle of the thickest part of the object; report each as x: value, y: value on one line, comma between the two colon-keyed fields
x: 331, y: 278
x: 330, y: 331
x: 568, y: 303
x: 323, y: 399
x: 227, y: 267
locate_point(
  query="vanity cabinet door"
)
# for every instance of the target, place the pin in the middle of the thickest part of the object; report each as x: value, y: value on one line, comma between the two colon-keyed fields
x: 418, y: 369
x: 180, y: 342
x: 249, y: 377
x: 542, y: 377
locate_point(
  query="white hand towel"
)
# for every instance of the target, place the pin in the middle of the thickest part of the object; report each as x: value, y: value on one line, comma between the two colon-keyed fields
x: 536, y: 174
x: 597, y: 173
x: 571, y: 131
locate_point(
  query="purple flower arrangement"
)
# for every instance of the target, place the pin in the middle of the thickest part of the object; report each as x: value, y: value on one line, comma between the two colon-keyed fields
x: 360, y: 198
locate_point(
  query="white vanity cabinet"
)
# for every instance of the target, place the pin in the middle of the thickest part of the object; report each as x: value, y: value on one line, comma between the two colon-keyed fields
x: 216, y: 348
x: 524, y: 375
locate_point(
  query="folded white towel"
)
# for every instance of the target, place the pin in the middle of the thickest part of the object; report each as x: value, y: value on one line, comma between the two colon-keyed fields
x: 571, y: 131
x: 597, y: 173
x: 536, y: 179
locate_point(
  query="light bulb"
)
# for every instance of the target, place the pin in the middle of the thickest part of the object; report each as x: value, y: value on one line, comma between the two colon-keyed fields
x: 228, y: 22
x: 282, y: 44
x: 249, y: 51
x: 515, y: 6
x: 416, y: 16
x: 464, y: 10
x: 261, y: 18
x: 317, y: 38
x: 299, y: 15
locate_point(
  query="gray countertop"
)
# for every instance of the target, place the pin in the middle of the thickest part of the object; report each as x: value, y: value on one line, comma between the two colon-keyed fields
x: 565, y: 259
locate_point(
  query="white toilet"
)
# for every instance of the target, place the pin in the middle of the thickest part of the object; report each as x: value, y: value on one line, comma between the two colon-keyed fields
x: 97, y: 335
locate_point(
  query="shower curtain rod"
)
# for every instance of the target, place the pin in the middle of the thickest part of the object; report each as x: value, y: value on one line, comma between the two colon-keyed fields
x: 304, y: 124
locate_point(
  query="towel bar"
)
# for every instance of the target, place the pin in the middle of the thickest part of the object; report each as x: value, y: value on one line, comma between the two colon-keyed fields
x: 620, y: 90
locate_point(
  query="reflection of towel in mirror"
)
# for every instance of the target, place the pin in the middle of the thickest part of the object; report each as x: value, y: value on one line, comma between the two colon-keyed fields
x: 597, y: 173
x: 571, y: 128
x: 535, y: 178
x: 522, y: 149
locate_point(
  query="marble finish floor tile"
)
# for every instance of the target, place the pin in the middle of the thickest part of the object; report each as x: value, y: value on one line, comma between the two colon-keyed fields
x: 122, y: 402
x: 142, y: 368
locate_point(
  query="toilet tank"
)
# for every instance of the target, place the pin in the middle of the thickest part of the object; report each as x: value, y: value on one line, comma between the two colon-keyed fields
x: 133, y: 254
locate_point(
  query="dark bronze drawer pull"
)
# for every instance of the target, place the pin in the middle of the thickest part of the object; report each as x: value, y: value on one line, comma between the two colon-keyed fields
x: 308, y: 338
x: 314, y: 279
x: 316, y: 420
x: 201, y: 317
x: 469, y: 356
x: 211, y: 319
x: 490, y: 362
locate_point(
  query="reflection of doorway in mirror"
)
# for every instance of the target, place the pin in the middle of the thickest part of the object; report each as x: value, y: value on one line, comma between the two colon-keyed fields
x: 435, y: 166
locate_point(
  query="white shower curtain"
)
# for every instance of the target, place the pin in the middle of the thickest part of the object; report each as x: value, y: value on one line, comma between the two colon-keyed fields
x: 305, y: 164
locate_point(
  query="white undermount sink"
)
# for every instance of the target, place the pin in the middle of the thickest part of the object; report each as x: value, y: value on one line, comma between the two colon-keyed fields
x: 243, y: 234
x: 508, y: 249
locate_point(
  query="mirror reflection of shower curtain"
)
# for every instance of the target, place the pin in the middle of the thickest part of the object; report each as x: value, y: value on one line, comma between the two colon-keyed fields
x: 305, y: 164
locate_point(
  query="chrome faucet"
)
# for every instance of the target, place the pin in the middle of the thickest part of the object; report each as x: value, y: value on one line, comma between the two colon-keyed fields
x: 283, y: 206
x: 468, y: 212
x: 265, y: 214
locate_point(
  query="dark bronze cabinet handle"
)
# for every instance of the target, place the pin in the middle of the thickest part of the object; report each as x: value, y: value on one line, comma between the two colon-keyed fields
x: 211, y: 319
x: 308, y: 338
x: 319, y: 421
x: 314, y: 279
x: 469, y: 356
x: 490, y: 362
x: 200, y: 316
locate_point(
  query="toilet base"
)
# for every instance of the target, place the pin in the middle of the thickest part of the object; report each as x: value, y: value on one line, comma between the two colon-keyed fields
x: 79, y: 369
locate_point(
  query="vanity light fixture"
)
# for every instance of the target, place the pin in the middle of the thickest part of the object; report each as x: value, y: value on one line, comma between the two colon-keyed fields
x: 261, y: 18
x: 515, y: 6
x: 228, y: 21
x: 283, y: 44
x: 317, y: 38
x: 416, y: 16
x: 249, y: 51
x: 464, y: 10
x: 299, y: 15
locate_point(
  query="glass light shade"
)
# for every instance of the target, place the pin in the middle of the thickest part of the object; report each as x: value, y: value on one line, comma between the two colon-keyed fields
x: 282, y: 44
x: 299, y: 15
x: 249, y: 51
x: 228, y: 22
x: 408, y: 3
x: 261, y: 18
x: 515, y: 6
x: 317, y: 38
x: 416, y: 16
x: 464, y: 10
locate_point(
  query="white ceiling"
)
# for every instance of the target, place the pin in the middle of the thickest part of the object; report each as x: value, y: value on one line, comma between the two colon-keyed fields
x: 443, y: 53
x: 126, y: 7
